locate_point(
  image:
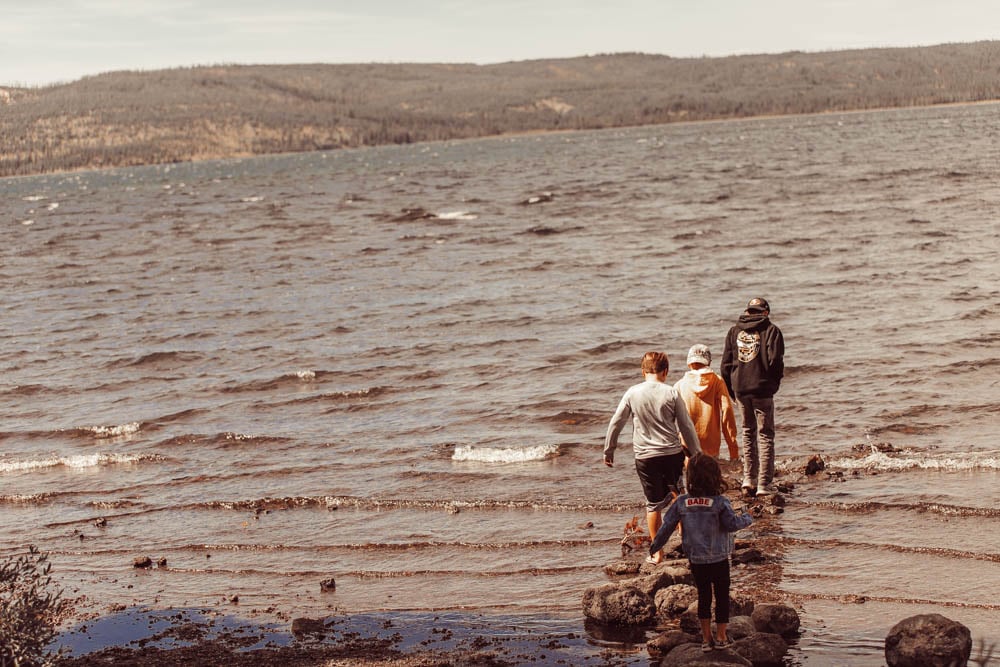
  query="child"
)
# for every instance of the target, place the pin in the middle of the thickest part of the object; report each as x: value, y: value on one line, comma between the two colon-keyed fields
x: 708, y: 403
x: 709, y: 522
x: 657, y: 413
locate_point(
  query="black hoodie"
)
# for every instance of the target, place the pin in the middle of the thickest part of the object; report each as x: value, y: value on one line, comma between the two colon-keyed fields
x: 753, y: 358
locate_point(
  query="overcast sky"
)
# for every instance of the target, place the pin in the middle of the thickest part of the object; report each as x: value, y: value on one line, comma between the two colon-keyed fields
x: 50, y: 41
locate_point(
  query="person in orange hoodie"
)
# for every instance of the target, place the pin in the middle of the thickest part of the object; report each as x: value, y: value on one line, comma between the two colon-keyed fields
x: 708, y: 403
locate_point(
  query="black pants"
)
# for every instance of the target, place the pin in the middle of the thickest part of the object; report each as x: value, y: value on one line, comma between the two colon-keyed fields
x: 710, y: 576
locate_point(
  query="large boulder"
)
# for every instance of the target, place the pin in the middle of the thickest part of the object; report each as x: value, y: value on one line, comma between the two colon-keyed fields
x: 779, y: 619
x: 691, y: 654
x: 928, y: 640
x: 763, y: 649
x: 674, y: 600
x: 618, y: 604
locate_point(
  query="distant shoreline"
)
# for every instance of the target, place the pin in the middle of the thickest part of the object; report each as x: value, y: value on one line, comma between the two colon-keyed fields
x: 170, y: 116
x: 524, y: 133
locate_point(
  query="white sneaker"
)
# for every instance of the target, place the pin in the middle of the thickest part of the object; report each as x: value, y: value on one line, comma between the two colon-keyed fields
x: 767, y: 490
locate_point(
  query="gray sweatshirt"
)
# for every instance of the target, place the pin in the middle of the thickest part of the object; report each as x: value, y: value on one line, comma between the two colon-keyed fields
x: 657, y: 411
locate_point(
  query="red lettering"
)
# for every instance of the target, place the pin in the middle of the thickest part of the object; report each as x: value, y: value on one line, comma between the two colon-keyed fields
x: 699, y: 502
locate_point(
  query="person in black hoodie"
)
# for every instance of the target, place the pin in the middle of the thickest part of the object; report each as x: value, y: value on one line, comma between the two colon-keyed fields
x: 752, y: 367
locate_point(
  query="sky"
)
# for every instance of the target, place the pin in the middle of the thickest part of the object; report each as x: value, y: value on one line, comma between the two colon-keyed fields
x: 44, y: 42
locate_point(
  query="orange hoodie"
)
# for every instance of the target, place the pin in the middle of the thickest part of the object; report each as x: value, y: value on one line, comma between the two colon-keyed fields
x: 707, y: 401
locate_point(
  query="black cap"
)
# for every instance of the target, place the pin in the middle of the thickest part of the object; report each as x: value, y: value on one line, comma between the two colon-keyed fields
x: 758, y: 304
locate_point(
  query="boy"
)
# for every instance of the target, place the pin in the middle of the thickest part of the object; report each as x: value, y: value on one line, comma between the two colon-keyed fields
x: 707, y: 400
x: 753, y: 363
x: 658, y: 412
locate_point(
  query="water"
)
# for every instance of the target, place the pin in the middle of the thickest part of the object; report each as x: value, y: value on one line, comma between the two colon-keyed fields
x: 278, y: 370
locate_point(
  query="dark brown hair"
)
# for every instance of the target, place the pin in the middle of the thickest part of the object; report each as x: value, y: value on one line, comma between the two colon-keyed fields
x: 655, y: 362
x: 704, y: 477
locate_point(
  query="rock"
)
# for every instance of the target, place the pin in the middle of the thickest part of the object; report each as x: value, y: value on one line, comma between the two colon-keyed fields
x: 815, y: 464
x: 328, y: 585
x: 752, y: 555
x: 665, y: 642
x: 308, y: 626
x: 586, y: 525
x: 740, y: 627
x: 691, y: 654
x: 662, y: 578
x: 142, y: 562
x: 688, y: 620
x: 615, y: 604
x: 101, y: 522
x: 740, y: 604
x: 674, y: 600
x: 928, y: 640
x: 763, y: 649
x: 778, y: 619
x: 777, y: 500
x: 622, y: 567
x: 161, y: 562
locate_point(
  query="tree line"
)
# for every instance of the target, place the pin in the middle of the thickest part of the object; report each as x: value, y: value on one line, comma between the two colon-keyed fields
x: 130, y: 118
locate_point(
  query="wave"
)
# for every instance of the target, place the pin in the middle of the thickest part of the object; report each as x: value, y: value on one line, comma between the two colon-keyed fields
x: 298, y: 378
x: 898, y: 461
x: 858, y: 599
x: 380, y: 504
x: 895, y: 548
x: 457, y: 215
x: 872, y: 506
x: 160, y: 359
x: 77, y: 461
x: 504, y: 454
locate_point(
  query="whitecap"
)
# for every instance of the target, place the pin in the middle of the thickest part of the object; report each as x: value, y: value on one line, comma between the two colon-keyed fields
x: 34, y: 198
x: 457, y: 215
x: 114, y: 431
x: 250, y: 200
x: 78, y: 461
x: 306, y: 376
x: 913, y: 461
x: 504, y: 454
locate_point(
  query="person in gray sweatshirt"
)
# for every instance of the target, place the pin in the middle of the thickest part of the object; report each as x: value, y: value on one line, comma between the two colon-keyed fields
x: 658, y: 413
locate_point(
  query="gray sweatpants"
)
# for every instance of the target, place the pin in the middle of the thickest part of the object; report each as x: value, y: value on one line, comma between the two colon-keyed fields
x: 757, y: 436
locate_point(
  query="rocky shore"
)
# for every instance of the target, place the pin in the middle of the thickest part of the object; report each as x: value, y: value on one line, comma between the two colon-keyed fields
x: 639, y: 600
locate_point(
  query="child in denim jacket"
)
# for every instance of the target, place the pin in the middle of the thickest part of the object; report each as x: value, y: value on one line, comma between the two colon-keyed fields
x: 708, y: 522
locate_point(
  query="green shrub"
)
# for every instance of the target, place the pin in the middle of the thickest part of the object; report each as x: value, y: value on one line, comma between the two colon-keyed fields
x: 28, y: 610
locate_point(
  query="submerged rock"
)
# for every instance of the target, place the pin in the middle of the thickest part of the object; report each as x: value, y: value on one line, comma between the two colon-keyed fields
x: 928, y: 640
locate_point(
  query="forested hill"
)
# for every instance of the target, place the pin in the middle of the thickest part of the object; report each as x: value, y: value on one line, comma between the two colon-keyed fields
x: 128, y: 118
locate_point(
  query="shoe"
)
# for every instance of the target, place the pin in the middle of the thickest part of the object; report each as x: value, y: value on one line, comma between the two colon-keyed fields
x: 706, y: 647
x: 723, y: 643
x: 651, y: 560
x: 748, y: 491
x: 768, y: 490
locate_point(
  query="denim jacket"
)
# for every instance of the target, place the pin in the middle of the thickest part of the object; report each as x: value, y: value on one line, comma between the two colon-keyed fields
x: 709, y: 523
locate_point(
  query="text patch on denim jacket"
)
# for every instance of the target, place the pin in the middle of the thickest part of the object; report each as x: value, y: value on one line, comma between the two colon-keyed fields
x: 695, y: 501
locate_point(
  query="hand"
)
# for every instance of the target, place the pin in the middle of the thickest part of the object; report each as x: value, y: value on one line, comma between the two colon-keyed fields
x: 608, y: 461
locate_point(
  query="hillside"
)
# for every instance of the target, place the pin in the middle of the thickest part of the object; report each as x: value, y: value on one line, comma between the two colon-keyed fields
x: 128, y: 118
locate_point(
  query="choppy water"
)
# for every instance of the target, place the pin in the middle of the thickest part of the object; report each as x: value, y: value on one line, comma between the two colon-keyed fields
x: 272, y: 371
